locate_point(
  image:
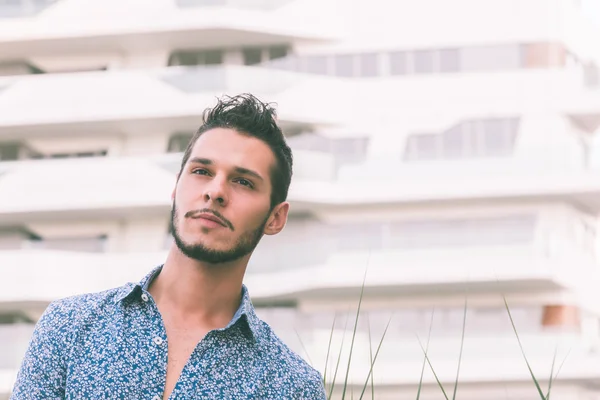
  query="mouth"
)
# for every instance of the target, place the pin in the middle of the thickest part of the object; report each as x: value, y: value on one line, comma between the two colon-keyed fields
x: 210, y: 217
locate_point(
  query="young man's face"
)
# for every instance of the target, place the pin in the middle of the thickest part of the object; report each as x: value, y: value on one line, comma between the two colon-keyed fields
x: 222, y: 201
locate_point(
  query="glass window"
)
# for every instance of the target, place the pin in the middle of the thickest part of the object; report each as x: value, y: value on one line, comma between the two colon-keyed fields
x: 213, y: 57
x: 344, y: 65
x: 276, y: 52
x: 483, y: 58
x: 317, y: 64
x: 252, y: 56
x: 178, y: 142
x: 539, y: 55
x: 508, y: 230
x: 449, y: 60
x: 454, y: 142
x: 478, y: 138
x: 196, y: 57
x: 424, y: 61
x: 423, y: 147
x: 10, y: 151
x: 369, y: 64
x: 398, y: 63
x: 498, y: 136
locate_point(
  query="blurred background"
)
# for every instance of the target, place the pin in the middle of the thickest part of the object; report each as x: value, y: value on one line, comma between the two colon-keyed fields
x: 449, y: 148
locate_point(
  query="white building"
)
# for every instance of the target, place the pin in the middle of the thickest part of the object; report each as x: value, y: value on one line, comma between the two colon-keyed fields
x: 447, y: 145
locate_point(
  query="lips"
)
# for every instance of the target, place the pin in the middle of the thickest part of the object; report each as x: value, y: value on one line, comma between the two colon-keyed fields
x: 211, y: 217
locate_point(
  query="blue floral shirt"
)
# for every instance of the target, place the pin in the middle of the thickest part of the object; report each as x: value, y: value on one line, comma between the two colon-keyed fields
x: 113, y: 345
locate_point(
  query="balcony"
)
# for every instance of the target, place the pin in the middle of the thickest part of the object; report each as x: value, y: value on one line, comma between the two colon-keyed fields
x: 24, y: 8
x: 506, y: 255
x: 242, y: 4
x: 76, y: 27
x: 170, y: 99
x: 121, y: 186
x: 14, y: 339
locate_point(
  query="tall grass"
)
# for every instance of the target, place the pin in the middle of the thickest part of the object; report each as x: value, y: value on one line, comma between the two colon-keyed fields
x: 349, y: 391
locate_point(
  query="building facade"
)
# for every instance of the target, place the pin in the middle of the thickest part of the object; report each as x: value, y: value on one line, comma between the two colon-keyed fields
x: 445, y: 154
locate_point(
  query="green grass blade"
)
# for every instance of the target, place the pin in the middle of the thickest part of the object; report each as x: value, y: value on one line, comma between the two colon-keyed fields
x: 425, y: 358
x: 373, y: 359
x: 537, y: 384
x: 557, y: 372
x: 329, y: 350
x: 551, y: 374
x: 354, y: 335
x: 337, y: 365
x: 303, y: 347
x: 462, y: 342
x: 433, y: 370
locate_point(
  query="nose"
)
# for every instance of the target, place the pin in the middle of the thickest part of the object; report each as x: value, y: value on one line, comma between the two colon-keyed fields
x: 216, y: 193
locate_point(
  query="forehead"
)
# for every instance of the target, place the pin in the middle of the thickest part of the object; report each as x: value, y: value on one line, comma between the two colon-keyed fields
x: 229, y: 147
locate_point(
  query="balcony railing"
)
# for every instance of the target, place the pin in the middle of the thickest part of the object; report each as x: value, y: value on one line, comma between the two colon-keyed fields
x: 249, y: 4
x: 14, y: 340
x: 312, y: 243
x: 211, y: 78
x: 23, y: 8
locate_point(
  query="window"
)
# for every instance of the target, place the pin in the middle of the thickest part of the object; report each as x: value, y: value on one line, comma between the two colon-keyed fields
x: 480, y: 58
x: 491, y: 137
x: 591, y: 75
x: 196, y: 57
x: 179, y: 142
x: 13, y: 237
x: 346, y: 149
x: 507, y: 230
x: 252, y: 56
x: 369, y: 64
x: 449, y: 60
x: 94, y: 244
x: 398, y: 63
x: 84, y: 154
x: 317, y: 64
x: 424, y: 61
x: 13, y: 151
x: 422, y: 147
x: 18, y: 68
x: 22, y: 8
x: 344, y: 65
x: 539, y: 55
x: 276, y: 52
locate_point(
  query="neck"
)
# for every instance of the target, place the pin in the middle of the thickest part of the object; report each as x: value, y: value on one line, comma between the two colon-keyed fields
x: 192, y: 290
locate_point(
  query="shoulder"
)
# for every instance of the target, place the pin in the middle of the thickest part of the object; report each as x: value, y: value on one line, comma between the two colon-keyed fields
x: 62, y: 318
x: 291, y: 369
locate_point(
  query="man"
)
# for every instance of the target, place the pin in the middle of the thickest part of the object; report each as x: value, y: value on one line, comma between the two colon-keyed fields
x: 188, y: 330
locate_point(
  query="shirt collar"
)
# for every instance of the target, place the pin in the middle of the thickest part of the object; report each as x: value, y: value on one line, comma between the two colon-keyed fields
x: 132, y: 291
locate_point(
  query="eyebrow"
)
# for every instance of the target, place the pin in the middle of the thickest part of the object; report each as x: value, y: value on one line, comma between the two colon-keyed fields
x: 239, y: 170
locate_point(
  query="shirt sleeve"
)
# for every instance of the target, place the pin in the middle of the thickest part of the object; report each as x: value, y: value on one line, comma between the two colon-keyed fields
x: 43, y: 370
x: 313, y: 389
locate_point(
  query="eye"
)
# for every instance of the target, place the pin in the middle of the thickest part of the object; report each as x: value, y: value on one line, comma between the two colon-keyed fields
x: 200, y: 171
x: 244, y: 182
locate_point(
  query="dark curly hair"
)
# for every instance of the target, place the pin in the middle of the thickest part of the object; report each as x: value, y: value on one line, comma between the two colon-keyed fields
x: 249, y: 116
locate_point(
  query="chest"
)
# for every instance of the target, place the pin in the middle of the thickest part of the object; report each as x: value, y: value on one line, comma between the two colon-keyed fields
x: 133, y: 362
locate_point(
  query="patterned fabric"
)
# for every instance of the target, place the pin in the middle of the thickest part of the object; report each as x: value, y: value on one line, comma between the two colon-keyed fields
x: 113, y: 345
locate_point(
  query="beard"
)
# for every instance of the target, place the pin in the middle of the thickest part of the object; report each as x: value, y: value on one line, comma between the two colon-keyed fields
x: 245, y: 245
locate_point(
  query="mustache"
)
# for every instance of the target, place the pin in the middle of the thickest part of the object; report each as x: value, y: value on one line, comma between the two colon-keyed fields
x: 195, y: 213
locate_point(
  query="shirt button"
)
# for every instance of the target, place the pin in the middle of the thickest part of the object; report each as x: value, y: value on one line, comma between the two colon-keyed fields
x: 158, y: 340
x: 157, y: 398
x: 144, y: 297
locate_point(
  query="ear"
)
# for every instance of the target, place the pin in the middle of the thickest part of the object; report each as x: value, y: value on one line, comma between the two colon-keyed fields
x: 277, y: 219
